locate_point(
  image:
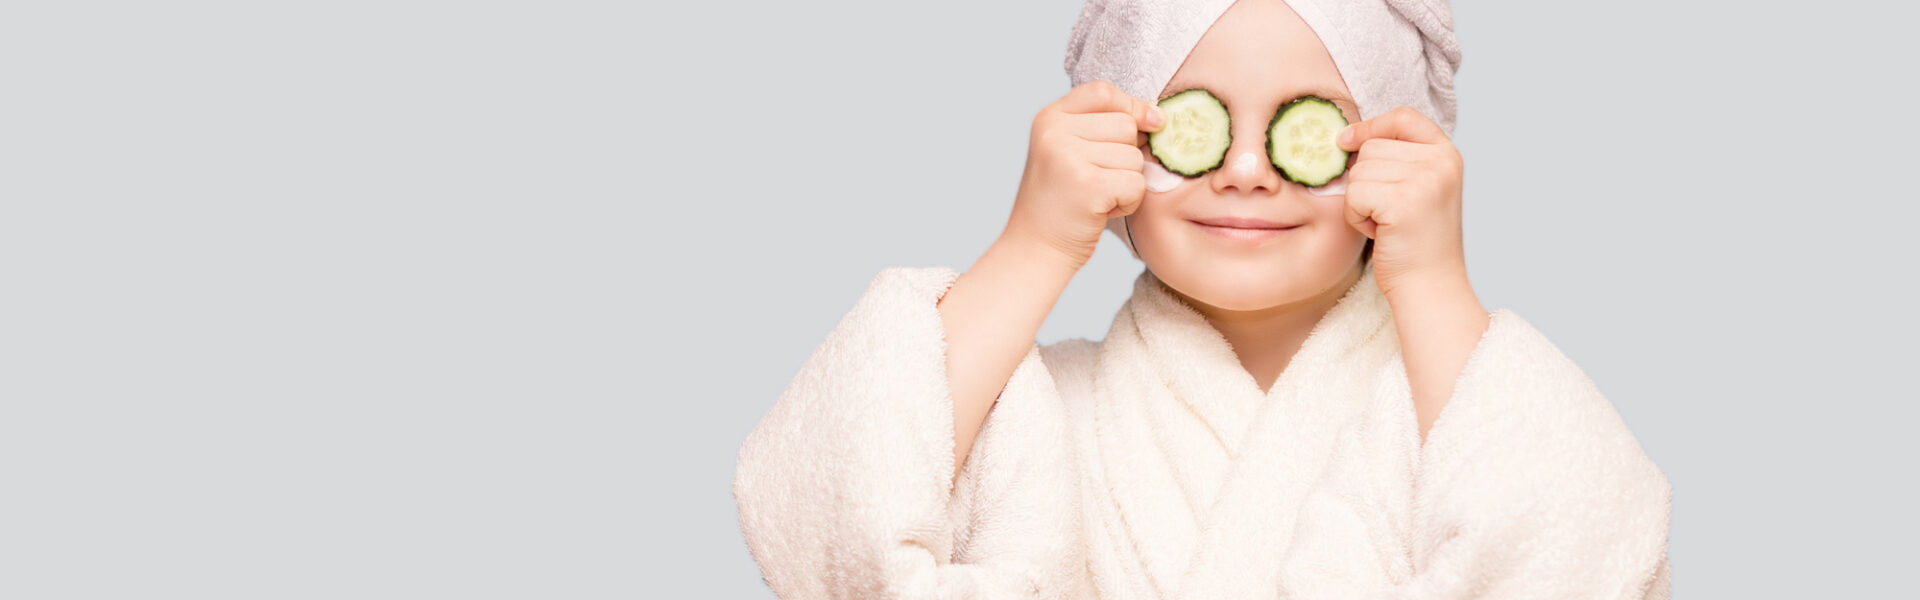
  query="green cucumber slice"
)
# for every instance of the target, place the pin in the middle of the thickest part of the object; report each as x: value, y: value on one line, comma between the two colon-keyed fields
x: 1196, y: 136
x: 1300, y: 141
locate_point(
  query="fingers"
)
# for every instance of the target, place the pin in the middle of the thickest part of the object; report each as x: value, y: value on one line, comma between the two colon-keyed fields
x: 1382, y: 171
x: 1115, y: 156
x: 1102, y: 96
x: 1391, y: 149
x: 1127, y: 188
x: 1360, y: 206
x: 1363, y: 224
x: 1104, y: 127
x: 1403, y: 123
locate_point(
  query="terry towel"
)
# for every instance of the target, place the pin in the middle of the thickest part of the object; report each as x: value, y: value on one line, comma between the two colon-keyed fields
x: 1150, y: 465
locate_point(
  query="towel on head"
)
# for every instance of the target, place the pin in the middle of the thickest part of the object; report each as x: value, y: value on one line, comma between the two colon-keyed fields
x: 1389, y: 52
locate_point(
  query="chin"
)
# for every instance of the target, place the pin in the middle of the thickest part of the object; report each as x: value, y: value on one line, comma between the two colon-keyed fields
x: 1241, y: 287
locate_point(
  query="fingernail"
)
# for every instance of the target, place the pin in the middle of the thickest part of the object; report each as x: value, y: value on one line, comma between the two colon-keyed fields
x: 1345, y: 136
x: 1154, y: 117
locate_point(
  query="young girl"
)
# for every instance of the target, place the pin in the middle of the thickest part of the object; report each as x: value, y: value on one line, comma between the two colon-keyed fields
x: 1303, y: 397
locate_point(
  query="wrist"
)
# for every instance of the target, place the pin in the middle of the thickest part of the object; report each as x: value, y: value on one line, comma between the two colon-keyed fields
x: 1037, y: 253
x: 1443, y: 285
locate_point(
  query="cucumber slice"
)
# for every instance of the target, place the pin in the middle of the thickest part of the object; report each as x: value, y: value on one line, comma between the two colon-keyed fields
x: 1196, y: 136
x: 1300, y: 141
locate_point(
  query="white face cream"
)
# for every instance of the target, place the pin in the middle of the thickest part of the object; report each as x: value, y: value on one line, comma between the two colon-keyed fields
x: 1333, y: 188
x: 1247, y: 164
x: 1159, y: 179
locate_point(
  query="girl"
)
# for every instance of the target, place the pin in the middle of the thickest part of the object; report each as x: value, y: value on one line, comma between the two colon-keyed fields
x: 1302, y: 398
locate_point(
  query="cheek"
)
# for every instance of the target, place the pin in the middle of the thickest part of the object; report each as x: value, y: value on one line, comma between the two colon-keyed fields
x: 1157, y: 225
x: 1331, y: 210
x: 1330, y: 216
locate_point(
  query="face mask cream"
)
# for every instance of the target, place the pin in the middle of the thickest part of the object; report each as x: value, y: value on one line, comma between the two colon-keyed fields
x: 1247, y: 164
x: 1159, y: 179
x: 1333, y: 188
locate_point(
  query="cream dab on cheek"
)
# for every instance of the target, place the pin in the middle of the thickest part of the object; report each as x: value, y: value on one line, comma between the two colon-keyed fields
x: 1159, y: 179
x: 1333, y: 188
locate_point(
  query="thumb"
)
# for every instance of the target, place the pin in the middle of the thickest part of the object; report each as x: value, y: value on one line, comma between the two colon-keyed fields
x: 1152, y: 118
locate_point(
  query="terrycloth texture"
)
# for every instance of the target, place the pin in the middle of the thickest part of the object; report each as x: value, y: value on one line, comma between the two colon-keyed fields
x: 1389, y: 52
x: 1150, y: 465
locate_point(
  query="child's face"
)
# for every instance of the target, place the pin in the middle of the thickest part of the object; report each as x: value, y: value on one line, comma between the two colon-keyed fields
x: 1257, y: 56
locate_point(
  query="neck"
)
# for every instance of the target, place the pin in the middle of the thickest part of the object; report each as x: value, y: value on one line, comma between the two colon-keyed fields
x: 1266, y: 339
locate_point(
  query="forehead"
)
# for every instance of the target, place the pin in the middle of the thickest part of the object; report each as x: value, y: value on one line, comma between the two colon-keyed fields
x: 1261, y: 52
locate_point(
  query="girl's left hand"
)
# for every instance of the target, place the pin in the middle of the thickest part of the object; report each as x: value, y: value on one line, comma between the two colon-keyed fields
x: 1403, y: 191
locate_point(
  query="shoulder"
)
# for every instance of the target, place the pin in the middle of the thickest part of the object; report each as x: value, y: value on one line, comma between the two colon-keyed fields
x: 1529, y: 453
x: 1524, y: 410
x: 921, y: 282
x: 1517, y: 371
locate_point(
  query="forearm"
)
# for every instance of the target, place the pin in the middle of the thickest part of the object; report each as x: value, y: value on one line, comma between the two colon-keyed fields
x: 992, y: 315
x: 1440, y: 320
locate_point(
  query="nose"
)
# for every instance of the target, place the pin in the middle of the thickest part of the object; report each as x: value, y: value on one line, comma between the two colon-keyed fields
x: 1246, y: 170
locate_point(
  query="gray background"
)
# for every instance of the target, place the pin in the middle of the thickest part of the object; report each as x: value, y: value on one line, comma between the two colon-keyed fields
x: 478, y: 299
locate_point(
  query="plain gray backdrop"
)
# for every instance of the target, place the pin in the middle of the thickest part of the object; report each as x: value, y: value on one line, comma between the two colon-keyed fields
x: 411, y: 299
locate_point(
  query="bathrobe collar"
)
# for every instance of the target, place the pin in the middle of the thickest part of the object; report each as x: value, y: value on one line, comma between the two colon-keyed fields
x: 1208, y: 376
x: 1202, y: 473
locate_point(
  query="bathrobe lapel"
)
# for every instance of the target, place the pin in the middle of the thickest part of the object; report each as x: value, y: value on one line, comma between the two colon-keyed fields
x: 1199, y: 465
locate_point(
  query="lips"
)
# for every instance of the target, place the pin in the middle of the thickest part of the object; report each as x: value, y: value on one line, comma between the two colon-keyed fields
x: 1245, y: 223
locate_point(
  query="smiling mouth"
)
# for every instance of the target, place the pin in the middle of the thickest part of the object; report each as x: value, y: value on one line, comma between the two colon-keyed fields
x: 1231, y: 224
x: 1248, y: 228
x: 1244, y: 234
x: 1244, y: 222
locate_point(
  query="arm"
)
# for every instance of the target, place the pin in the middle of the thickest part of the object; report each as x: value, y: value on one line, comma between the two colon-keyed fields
x: 1404, y: 191
x: 991, y: 317
x: 1439, y: 320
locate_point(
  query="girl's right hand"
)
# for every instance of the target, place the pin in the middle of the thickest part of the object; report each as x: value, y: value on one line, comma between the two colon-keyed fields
x: 1084, y: 166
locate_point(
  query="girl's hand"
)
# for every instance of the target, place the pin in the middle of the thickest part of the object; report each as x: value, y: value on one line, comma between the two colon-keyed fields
x: 1084, y: 167
x: 1404, y: 192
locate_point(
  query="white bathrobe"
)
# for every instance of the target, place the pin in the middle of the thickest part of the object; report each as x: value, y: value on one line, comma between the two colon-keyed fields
x: 1150, y: 465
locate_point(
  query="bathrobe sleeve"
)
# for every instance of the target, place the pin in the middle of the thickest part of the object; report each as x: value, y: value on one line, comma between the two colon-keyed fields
x: 1531, y: 486
x: 845, y: 487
